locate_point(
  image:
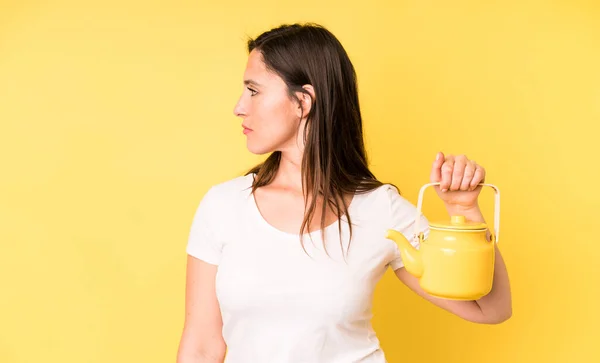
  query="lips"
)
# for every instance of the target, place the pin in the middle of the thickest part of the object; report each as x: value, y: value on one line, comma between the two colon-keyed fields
x: 246, y: 130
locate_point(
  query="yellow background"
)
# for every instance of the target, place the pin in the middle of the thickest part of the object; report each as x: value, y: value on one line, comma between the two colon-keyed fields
x: 116, y: 117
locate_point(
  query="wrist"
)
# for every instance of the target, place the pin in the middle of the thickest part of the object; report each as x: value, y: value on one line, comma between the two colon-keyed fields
x: 470, y: 212
x: 462, y: 208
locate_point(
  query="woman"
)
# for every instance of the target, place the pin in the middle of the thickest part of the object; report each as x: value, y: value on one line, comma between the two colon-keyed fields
x: 283, y: 261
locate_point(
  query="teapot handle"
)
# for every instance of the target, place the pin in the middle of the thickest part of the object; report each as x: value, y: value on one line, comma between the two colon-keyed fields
x: 496, y: 210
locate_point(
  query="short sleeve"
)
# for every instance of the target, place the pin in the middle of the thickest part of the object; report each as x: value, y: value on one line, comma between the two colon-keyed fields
x: 402, y: 219
x: 203, y: 243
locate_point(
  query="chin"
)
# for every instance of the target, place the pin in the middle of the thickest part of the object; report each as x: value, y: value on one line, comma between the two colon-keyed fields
x: 259, y: 149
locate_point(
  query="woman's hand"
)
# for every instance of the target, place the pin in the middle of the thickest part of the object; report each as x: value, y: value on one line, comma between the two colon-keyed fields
x: 459, y: 180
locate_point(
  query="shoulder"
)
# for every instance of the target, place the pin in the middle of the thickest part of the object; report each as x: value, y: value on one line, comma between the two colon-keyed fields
x: 387, y: 205
x: 232, y: 188
x: 227, y: 194
x: 385, y: 198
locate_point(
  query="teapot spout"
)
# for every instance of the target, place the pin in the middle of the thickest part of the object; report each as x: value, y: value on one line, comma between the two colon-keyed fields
x: 410, y: 256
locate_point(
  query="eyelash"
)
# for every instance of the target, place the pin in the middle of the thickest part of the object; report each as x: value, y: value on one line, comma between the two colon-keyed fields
x: 252, y: 92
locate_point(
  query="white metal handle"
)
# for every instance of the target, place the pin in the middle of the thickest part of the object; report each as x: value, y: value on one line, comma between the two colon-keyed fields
x: 496, y: 209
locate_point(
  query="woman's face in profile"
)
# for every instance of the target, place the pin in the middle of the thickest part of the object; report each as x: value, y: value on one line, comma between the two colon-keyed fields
x: 270, y: 117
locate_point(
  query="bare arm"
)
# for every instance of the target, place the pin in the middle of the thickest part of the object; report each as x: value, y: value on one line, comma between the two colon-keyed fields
x: 493, y: 308
x: 201, y: 340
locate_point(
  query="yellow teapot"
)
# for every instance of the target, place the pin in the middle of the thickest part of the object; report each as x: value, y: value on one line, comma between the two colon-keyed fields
x: 456, y: 261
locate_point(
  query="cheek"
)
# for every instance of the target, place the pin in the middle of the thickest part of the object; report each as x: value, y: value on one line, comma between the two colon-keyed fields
x: 275, y: 126
x: 277, y: 117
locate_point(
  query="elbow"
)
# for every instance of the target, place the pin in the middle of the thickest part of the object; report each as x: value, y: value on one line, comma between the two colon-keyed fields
x: 198, y: 346
x: 489, y: 316
x: 507, y: 315
x: 495, y: 312
x: 499, y: 317
x: 213, y: 352
x: 201, y: 357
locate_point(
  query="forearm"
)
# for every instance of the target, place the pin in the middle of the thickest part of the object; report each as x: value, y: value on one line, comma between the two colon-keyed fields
x: 496, y: 306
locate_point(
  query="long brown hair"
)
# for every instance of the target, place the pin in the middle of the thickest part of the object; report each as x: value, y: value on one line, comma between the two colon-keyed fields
x: 334, y: 162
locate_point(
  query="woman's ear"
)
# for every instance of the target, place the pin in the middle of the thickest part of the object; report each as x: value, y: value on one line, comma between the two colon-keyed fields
x: 306, y: 100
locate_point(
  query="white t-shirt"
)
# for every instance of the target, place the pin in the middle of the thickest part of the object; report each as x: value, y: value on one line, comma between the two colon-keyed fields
x: 281, y: 304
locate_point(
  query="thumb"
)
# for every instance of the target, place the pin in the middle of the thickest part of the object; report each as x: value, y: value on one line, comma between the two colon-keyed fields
x: 436, y: 168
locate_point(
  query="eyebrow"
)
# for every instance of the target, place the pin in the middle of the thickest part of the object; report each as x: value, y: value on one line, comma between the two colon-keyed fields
x: 250, y: 81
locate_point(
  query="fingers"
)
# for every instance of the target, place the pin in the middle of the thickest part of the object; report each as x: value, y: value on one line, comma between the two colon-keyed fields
x: 468, y: 176
x: 447, y: 172
x: 436, y: 168
x: 478, y: 177
x: 457, y: 173
x: 460, y: 164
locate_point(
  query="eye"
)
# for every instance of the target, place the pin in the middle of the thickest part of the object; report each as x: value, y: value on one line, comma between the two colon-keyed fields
x: 252, y: 92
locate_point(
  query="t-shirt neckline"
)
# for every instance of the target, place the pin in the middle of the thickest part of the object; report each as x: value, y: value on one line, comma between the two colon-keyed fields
x: 316, y: 233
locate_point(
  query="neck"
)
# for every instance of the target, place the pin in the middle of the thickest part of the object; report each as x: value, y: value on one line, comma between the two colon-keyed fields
x: 289, y: 174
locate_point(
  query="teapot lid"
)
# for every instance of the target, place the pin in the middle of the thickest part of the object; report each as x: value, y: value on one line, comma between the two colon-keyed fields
x: 459, y: 223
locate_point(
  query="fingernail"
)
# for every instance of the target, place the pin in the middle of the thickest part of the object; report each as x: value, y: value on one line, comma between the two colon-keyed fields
x: 437, y: 157
x: 444, y: 190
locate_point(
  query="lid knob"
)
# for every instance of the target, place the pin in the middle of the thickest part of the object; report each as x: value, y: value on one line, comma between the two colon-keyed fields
x: 457, y: 219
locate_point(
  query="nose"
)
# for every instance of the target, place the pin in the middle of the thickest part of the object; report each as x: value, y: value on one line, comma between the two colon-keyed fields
x: 239, y: 110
